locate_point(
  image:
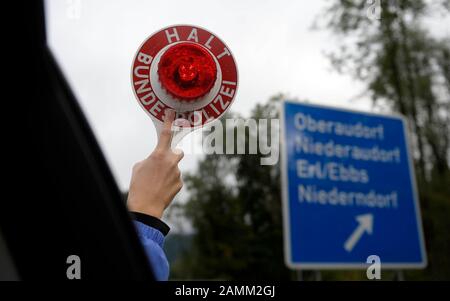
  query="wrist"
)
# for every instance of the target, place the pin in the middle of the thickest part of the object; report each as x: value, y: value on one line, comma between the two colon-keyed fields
x: 145, y: 208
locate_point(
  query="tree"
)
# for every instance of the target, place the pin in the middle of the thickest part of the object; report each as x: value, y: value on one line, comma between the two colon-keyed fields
x: 235, y: 207
x: 407, y: 69
x: 235, y: 203
x: 403, y: 66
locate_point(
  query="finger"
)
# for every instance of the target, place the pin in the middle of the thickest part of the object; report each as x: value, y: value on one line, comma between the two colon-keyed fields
x: 165, y: 136
x: 179, y: 154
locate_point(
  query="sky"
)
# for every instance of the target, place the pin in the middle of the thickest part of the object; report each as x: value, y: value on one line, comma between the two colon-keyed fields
x: 272, y: 41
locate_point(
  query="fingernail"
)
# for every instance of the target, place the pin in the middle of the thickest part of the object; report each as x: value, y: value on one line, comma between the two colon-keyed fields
x: 181, y: 122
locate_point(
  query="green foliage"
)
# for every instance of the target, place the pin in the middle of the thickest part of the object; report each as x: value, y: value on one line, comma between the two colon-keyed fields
x: 235, y: 203
x: 403, y: 66
x: 235, y: 207
x: 408, y: 69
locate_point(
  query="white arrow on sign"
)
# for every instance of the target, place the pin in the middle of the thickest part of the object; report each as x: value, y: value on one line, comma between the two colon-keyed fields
x: 365, y: 224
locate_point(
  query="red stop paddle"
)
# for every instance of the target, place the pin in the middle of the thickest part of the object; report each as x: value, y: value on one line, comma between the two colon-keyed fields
x: 187, y: 69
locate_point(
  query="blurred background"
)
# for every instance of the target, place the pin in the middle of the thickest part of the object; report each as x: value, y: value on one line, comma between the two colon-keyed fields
x: 379, y: 56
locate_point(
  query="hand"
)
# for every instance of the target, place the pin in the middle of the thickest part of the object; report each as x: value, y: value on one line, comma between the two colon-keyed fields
x: 156, y: 180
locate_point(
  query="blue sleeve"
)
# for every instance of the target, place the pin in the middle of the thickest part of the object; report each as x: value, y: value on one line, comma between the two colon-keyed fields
x: 153, y: 242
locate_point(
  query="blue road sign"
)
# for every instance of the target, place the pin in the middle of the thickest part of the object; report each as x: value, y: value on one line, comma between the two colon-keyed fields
x: 348, y: 190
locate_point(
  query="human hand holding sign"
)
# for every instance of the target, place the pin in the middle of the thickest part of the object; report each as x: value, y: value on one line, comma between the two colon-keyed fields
x: 183, y: 67
x: 156, y: 180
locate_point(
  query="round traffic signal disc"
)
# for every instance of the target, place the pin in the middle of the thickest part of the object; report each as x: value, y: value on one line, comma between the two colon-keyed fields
x: 188, y: 69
